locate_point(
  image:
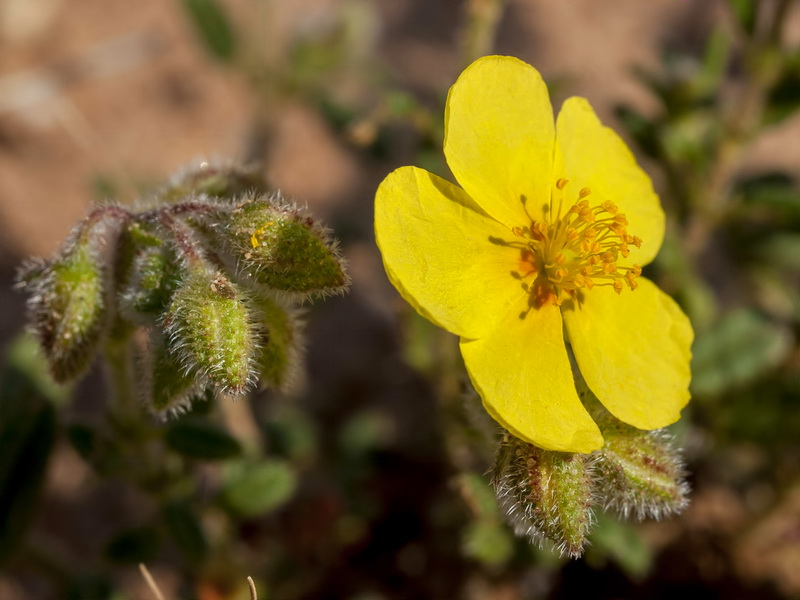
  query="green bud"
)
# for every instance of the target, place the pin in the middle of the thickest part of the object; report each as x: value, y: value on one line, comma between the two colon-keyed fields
x: 279, y: 246
x: 67, y: 306
x: 215, y: 179
x: 640, y: 473
x: 545, y: 494
x: 280, y: 350
x: 155, y: 274
x: 210, y: 327
x: 167, y: 389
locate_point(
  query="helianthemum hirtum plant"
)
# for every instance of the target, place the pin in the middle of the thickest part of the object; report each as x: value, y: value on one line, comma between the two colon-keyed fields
x: 535, y: 261
x: 211, y: 270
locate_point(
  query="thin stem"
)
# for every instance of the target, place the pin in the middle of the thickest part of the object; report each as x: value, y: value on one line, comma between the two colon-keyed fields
x: 483, y: 18
x: 119, y: 373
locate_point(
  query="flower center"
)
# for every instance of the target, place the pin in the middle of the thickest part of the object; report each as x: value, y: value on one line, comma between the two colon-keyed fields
x: 577, y: 248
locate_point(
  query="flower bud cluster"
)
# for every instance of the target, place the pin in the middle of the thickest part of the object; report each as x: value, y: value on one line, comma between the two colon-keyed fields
x: 213, y: 272
x: 552, y: 495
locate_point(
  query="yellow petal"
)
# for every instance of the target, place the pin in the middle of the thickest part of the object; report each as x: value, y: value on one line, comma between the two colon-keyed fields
x: 633, y: 350
x: 592, y: 156
x: 443, y: 253
x: 498, y: 137
x: 523, y: 374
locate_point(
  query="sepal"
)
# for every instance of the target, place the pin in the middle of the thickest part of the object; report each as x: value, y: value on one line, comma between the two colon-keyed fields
x: 545, y: 494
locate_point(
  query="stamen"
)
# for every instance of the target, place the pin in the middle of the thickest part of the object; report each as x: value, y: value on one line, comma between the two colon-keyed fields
x: 576, y: 248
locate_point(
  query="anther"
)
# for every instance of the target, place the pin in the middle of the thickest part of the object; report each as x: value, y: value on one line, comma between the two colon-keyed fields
x: 517, y: 231
x: 610, y: 207
x: 584, y: 192
x: 618, y: 286
x: 561, y: 183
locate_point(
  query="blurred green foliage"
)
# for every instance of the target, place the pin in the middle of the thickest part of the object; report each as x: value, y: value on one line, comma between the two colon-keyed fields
x: 327, y: 502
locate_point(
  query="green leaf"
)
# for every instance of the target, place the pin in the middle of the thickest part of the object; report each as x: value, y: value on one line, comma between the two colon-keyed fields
x: 488, y: 542
x: 781, y: 250
x: 186, y: 530
x: 745, y: 13
x: 291, y: 433
x: 213, y: 27
x: 25, y: 357
x: 770, y: 194
x: 479, y: 495
x: 202, y: 439
x: 623, y: 544
x: 27, y: 436
x: 715, y: 62
x: 255, y: 488
x: 739, y: 348
x: 97, y: 448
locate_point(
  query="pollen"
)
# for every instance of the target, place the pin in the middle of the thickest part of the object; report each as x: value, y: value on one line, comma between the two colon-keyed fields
x: 579, y: 245
x: 254, y: 241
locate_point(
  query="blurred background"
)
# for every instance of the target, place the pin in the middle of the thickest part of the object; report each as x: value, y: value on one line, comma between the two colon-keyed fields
x: 368, y: 481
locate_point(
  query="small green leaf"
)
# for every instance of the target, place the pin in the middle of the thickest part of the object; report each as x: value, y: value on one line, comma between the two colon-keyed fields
x: 255, y: 488
x: 623, y: 544
x: 745, y: 12
x: 186, y: 530
x: 479, y: 495
x: 489, y: 542
x: 201, y: 439
x: 770, y: 194
x: 213, y: 27
x: 291, y: 433
x: 742, y: 346
x: 781, y: 250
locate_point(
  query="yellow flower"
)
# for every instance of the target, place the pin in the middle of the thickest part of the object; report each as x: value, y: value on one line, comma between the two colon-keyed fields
x: 541, y: 247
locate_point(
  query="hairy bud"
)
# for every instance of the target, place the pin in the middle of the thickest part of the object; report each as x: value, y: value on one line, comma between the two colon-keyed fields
x: 215, y: 179
x: 68, y: 295
x: 545, y: 494
x: 282, y: 248
x: 167, y: 389
x: 155, y: 274
x: 281, y: 346
x: 640, y: 473
x: 210, y: 327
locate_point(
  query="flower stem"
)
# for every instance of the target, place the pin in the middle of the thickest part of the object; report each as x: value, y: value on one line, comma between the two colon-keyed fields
x: 483, y: 18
